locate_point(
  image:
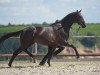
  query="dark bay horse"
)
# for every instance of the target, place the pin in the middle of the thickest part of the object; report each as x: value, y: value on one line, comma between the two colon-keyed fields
x: 52, y: 36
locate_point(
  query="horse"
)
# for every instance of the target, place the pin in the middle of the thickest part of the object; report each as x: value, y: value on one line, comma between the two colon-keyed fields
x: 74, y: 17
x: 51, y: 36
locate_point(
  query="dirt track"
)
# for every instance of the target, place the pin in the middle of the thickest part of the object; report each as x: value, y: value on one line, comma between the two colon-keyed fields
x: 58, y: 68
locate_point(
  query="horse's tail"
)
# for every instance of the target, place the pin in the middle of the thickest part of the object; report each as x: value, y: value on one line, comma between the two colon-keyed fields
x: 3, y: 38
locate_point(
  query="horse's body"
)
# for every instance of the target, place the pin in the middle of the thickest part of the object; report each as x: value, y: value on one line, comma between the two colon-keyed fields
x: 43, y: 35
x: 51, y: 39
x: 51, y: 36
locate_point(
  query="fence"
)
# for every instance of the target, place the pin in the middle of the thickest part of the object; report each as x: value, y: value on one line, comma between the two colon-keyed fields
x: 71, y: 55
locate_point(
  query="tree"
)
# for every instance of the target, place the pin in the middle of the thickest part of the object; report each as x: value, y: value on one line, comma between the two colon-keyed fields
x: 45, y: 23
x: 9, y: 24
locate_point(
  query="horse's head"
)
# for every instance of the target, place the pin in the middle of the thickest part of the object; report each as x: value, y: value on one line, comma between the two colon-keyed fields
x: 79, y: 19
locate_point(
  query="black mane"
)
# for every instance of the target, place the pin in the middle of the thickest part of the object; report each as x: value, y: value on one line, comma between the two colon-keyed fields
x: 69, y: 17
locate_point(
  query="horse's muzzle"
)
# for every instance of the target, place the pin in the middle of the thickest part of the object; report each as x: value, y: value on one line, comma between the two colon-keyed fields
x: 83, y: 26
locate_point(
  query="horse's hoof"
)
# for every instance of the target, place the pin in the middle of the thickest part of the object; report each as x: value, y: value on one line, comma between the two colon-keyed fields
x: 9, y: 65
x: 41, y: 64
x: 49, y: 65
x: 38, y: 66
x: 77, y: 57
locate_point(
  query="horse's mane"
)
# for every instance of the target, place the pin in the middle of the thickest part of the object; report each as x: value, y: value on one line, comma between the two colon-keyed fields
x: 64, y: 19
x: 68, y: 17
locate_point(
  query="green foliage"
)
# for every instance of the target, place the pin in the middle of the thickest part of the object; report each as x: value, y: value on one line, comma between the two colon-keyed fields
x: 45, y: 24
x: 90, y: 28
x: 7, y: 29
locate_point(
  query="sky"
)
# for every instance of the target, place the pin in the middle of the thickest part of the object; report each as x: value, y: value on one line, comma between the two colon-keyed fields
x: 39, y: 11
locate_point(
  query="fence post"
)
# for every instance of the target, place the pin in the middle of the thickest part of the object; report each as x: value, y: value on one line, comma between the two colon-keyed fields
x: 34, y: 50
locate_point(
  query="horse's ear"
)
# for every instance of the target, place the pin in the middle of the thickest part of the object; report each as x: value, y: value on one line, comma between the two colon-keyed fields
x: 80, y: 10
x: 77, y: 11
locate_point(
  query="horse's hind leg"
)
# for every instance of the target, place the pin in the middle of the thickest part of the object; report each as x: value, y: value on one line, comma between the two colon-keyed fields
x: 31, y: 55
x: 58, y: 51
x: 14, y: 55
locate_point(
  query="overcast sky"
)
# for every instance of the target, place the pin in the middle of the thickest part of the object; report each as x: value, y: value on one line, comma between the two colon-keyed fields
x: 38, y: 11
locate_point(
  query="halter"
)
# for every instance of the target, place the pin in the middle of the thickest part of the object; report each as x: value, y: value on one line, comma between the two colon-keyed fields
x: 78, y: 30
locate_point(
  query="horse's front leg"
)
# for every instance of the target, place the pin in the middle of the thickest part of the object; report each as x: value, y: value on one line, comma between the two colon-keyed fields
x: 51, y: 51
x: 45, y: 57
x: 72, y: 46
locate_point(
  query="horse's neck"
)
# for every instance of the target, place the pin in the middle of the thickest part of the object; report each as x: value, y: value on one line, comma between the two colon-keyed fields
x: 67, y: 23
x: 67, y: 26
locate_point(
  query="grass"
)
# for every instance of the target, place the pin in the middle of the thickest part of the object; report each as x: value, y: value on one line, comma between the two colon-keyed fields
x: 93, y: 28
x: 90, y: 28
x: 7, y: 29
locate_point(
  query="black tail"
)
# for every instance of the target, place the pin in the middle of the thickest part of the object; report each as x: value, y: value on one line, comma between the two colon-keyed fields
x: 3, y: 38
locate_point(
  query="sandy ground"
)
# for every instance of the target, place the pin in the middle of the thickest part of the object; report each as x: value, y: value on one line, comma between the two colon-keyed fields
x: 57, y: 68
